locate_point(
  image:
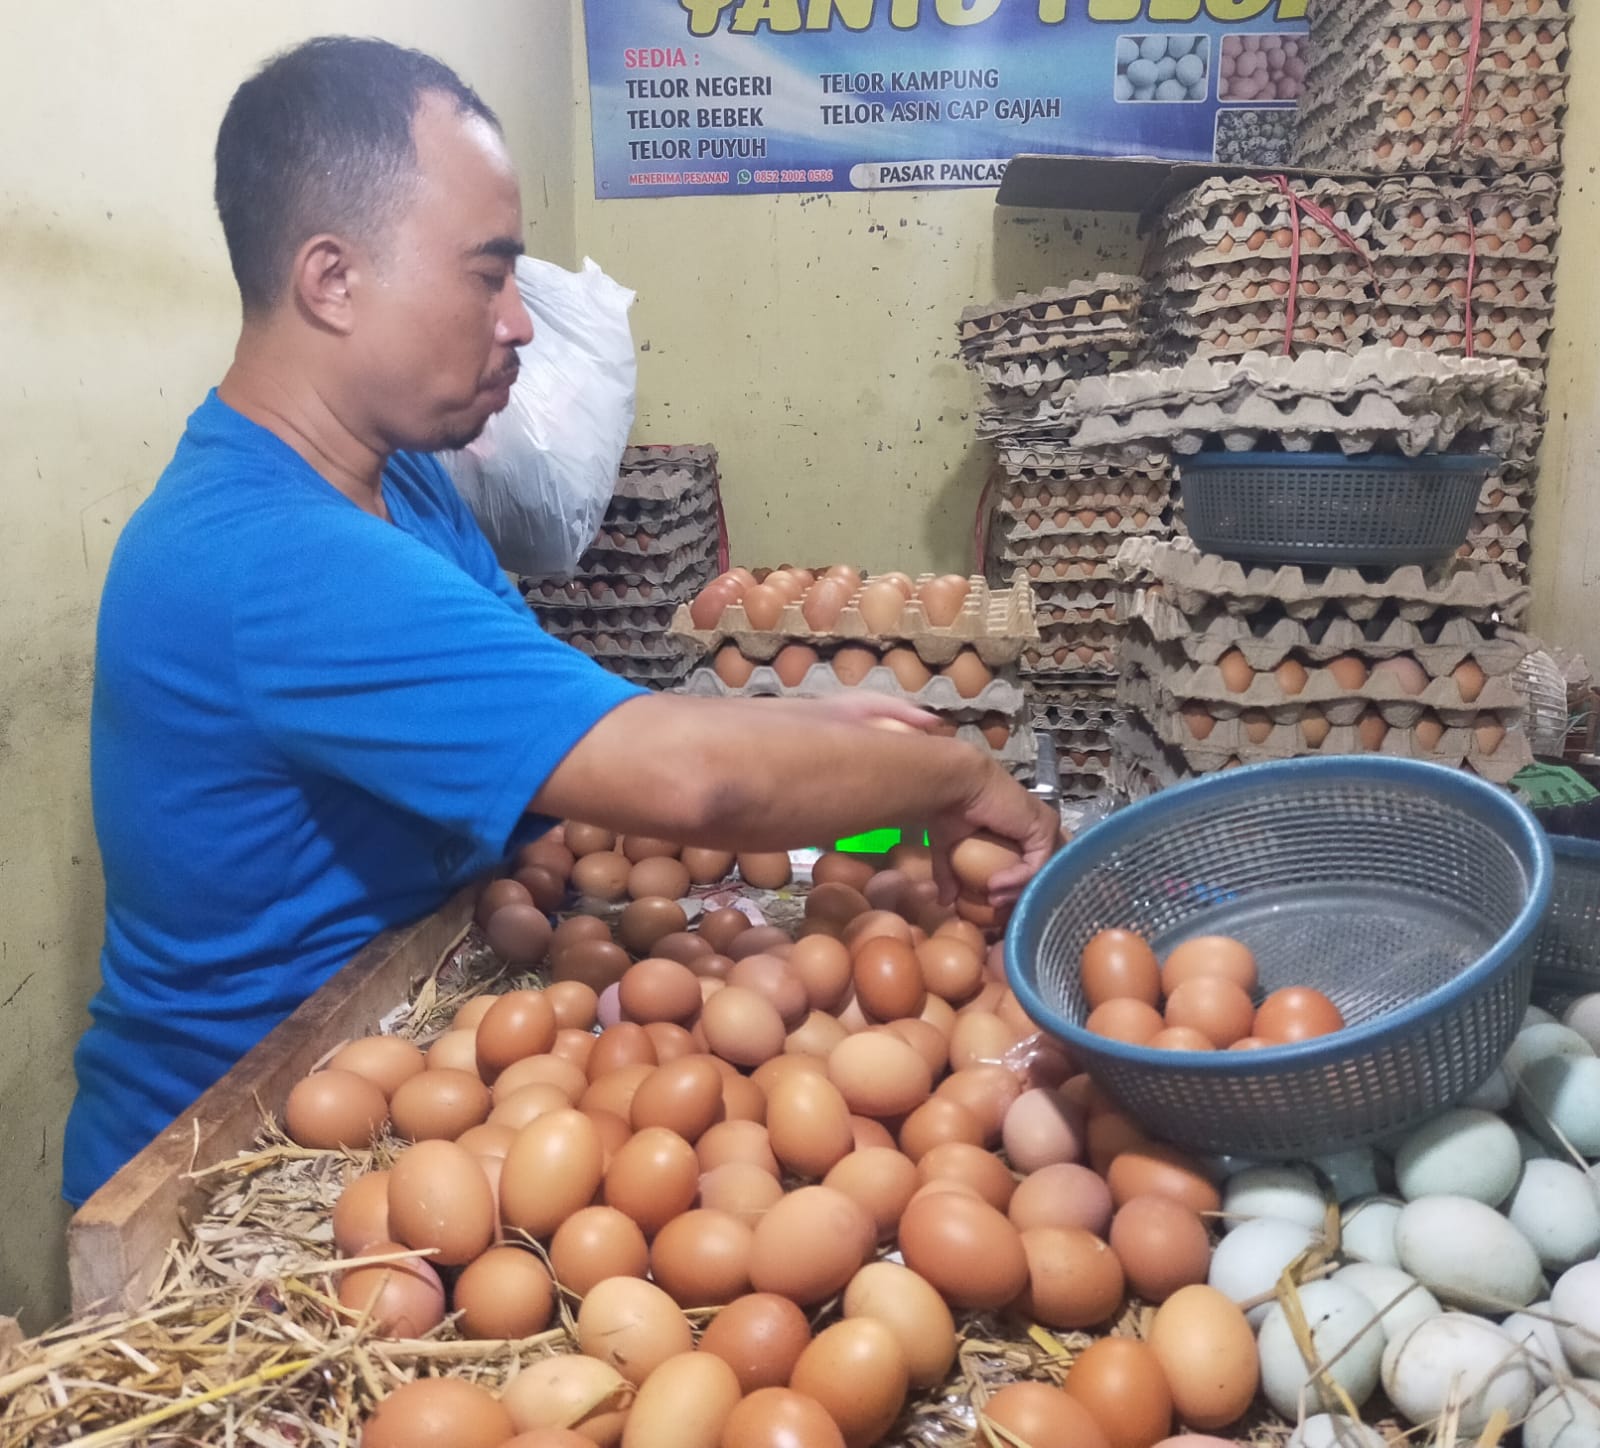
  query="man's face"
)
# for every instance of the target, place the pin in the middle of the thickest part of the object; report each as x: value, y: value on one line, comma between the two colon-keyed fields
x: 440, y: 318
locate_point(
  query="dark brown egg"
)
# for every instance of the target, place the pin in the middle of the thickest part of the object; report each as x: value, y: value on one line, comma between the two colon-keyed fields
x: 720, y: 928
x: 602, y: 876
x: 645, y: 921
x: 547, y: 888
x: 597, y: 963
x: 497, y: 893
x: 519, y: 934
x: 660, y: 876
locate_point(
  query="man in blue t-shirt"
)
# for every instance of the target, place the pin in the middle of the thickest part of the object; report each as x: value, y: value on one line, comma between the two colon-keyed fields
x: 319, y: 705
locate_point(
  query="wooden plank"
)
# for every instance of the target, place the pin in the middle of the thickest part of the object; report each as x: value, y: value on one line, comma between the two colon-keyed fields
x: 117, y: 1241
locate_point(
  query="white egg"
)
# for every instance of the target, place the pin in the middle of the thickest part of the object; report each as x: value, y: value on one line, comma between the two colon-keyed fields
x: 1398, y: 1296
x: 1535, y: 1016
x: 1575, y: 1304
x: 1250, y: 1259
x: 1327, y: 1431
x: 1354, y: 1173
x: 1461, y: 1153
x: 1560, y: 1099
x: 1583, y: 1016
x: 1341, y: 1324
x: 1556, y: 1208
x: 1534, y: 1043
x: 1366, y: 1231
x: 1566, y: 1416
x: 1457, y: 1358
x: 1467, y: 1254
x: 1494, y: 1093
x: 1287, y: 1193
x: 1535, y: 1332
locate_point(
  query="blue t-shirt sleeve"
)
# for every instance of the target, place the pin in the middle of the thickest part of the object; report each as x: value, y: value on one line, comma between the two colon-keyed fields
x: 366, y: 655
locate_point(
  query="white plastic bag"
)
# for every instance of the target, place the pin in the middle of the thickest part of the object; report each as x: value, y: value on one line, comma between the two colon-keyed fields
x: 541, y: 475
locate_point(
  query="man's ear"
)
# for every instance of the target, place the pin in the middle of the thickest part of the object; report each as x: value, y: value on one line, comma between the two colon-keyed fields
x: 322, y: 280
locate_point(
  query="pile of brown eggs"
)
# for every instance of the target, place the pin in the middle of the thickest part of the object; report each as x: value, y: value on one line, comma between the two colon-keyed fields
x: 1201, y: 998
x: 885, y: 606
x: 838, y: 1140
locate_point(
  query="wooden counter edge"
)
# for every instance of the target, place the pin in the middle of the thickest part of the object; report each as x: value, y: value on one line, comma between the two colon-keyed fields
x: 117, y: 1241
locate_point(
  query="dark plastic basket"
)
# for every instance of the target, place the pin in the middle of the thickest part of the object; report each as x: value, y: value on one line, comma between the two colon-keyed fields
x: 1407, y: 892
x: 1326, y: 508
x: 1566, y: 947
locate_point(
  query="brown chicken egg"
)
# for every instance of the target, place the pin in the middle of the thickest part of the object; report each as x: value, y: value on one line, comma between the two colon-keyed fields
x: 917, y: 1316
x: 973, y: 1166
x: 970, y: 675
x: 1237, y: 675
x: 331, y: 1109
x: 838, y: 867
x: 888, y: 978
x: 438, y: 1413
x: 987, y: 1092
x: 684, y: 1403
x: 744, y: 1141
x: 969, y: 1252
x: 880, y: 604
x: 857, y: 1370
x: 936, y: 1121
x: 646, y: 920
x: 817, y: 1035
x: 659, y: 990
x: 781, y: 1418
x: 1043, y: 1129
x: 707, y: 609
x: 732, y: 667
x: 980, y: 857
x: 440, y: 1104
x: 554, y: 1167
x: 1074, y: 1279
x: 595, y: 1243
x: 824, y: 602
x: 1118, y: 964
x: 1291, y: 677
x: 497, y: 893
x: 1162, y: 1245
x: 1348, y: 672
x: 1488, y: 734
x: 760, y: 1336
x: 400, y: 1299
x: 1209, y: 955
x: 548, y: 891
x: 720, y: 928
x: 880, y: 1181
x: 1121, y: 1382
x: 808, y: 1123
x: 793, y: 662
x: 583, y: 839
x: 569, y: 1390
x: 951, y: 968
x: 672, y: 1042
x: 769, y: 871
x: 1043, y: 1417
x: 361, y: 1215
x: 685, y: 1096
x: 520, y: 1023
x: 852, y: 663
x: 1296, y: 1013
x: 439, y: 1198
x: 487, y: 1140
x: 702, y: 1258
x: 743, y: 1026
x: 1149, y: 1168
x: 879, y: 1075
x: 1469, y: 680
x: 596, y: 963
x: 942, y: 599
x: 653, y: 1178
x: 660, y: 877
x: 768, y: 976
x: 909, y: 671
x: 1065, y: 1195
x: 517, y: 1108
x: 1215, y: 1006
x: 602, y: 876
x: 764, y: 606
x: 741, y: 1189
x: 469, y: 1016
x: 810, y: 1244
x: 505, y: 1293
x: 632, y: 1326
x: 1130, y: 1021
x: 576, y: 928
x: 625, y: 1044
x: 980, y: 1038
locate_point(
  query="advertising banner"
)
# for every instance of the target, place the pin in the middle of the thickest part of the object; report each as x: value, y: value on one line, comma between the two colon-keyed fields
x: 724, y: 97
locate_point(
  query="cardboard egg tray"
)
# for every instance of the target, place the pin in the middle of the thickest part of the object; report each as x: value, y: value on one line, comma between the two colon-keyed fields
x: 690, y: 566
x: 1089, y: 603
x: 1108, y: 294
x: 1191, y: 582
x: 1177, y: 681
x: 696, y: 503
x: 1060, y: 498
x: 611, y: 595
x: 563, y: 618
x: 617, y: 643
x: 994, y: 622
x: 1107, y: 528
x: 999, y: 696
x: 1037, y: 374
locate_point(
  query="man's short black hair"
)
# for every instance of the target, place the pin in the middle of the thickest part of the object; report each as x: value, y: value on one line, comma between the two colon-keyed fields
x: 320, y: 140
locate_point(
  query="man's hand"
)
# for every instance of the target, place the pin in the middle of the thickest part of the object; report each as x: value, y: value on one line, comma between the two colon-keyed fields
x: 1005, y: 808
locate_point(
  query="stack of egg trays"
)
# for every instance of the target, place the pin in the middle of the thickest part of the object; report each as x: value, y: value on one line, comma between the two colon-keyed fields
x: 1387, y: 79
x: 1036, y: 348
x: 1192, y: 617
x: 1080, y: 721
x: 1220, y: 266
x: 656, y: 548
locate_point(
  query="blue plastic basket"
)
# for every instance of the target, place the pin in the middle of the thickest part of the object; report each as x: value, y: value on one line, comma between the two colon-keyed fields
x: 1566, y: 947
x: 1326, y: 508
x: 1407, y: 892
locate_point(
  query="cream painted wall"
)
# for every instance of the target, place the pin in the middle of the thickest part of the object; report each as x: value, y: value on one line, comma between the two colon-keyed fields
x: 813, y: 340
x: 117, y: 311
x: 1566, y: 539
